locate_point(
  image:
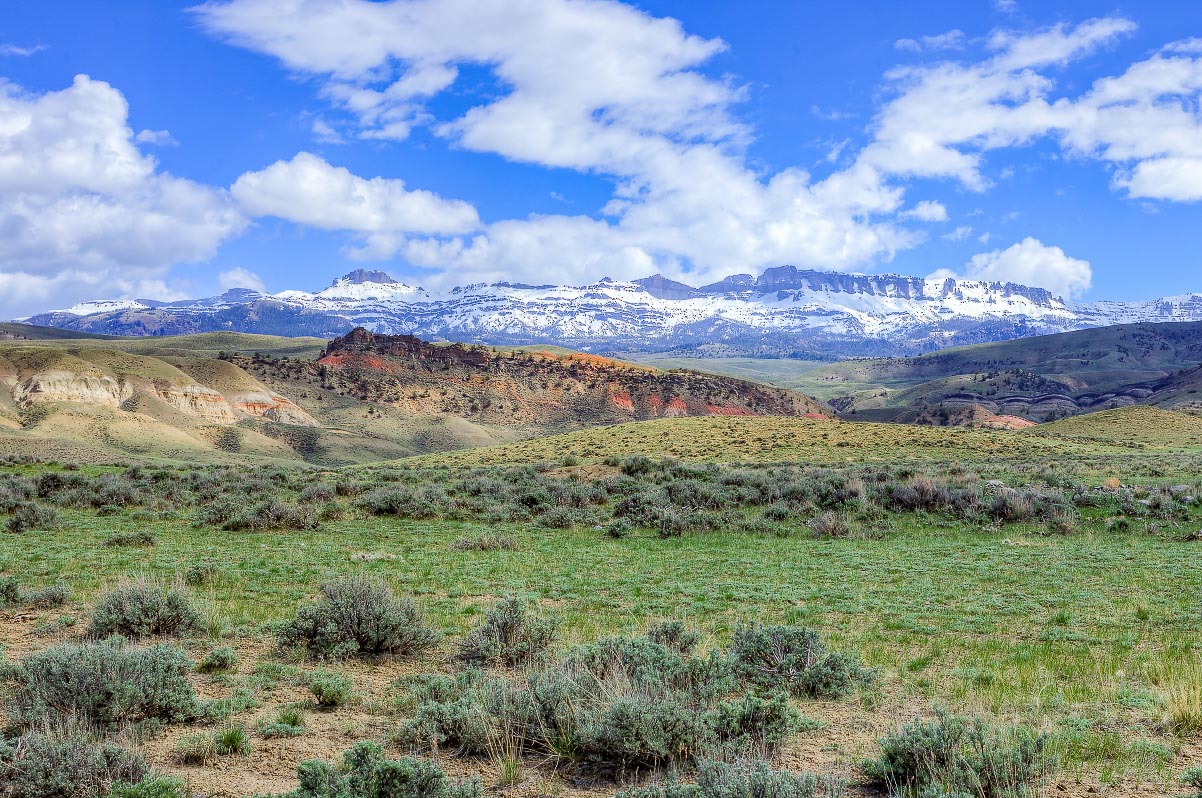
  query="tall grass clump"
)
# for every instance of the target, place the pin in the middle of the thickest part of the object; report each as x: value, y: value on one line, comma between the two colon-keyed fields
x: 358, y: 616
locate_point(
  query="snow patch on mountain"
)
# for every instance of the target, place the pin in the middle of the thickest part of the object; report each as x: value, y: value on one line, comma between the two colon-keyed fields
x: 784, y: 310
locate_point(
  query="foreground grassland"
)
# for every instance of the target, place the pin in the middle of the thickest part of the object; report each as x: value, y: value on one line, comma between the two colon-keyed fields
x: 1044, y: 580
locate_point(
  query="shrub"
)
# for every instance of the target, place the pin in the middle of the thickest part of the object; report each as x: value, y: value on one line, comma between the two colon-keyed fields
x: 201, y: 572
x: 47, y: 597
x: 317, y: 492
x: 141, y: 608
x: 745, y: 780
x: 509, y: 635
x: 365, y: 773
x: 489, y: 541
x: 10, y: 591
x: 753, y: 725
x: 272, y: 514
x: 617, y: 705
x: 218, y: 660
x: 358, y: 616
x: 403, y: 502
x: 103, y: 685
x: 795, y: 659
x: 1193, y: 778
x: 674, y: 635
x: 152, y: 787
x: 637, y: 465
x: 67, y: 764
x: 960, y: 755
x: 831, y: 525
x: 330, y: 689
x: 31, y: 516
x: 130, y: 539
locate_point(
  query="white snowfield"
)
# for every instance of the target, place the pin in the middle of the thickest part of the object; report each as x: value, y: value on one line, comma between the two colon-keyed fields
x: 806, y: 304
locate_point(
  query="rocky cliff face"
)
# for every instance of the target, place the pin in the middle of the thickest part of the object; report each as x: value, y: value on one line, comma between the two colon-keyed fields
x: 32, y: 377
x: 528, y: 387
x: 783, y: 311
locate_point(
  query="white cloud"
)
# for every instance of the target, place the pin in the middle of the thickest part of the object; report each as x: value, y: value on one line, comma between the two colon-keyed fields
x: 598, y: 87
x: 1144, y: 121
x: 325, y: 133
x: 952, y: 40
x: 77, y: 197
x: 239, y: 277
x: 1031, y: 262
x: 832, y: 115
x: 19, y: 51
x: 309, y: 191
x: 605, y: 89
x: 927, y: 211
x: 1190, y: 45
x: 1166, y: 178
x: 159, y: 138
x: 959, y: 234
x: 1006, y: 6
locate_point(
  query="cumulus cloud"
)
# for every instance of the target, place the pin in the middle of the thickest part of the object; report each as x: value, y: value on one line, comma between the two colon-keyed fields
x: 601, y: 88
x: 927, y: 211
x: 1030, y: 262
x: 309, y: 191
x: 239, y: 277
x: 605, y: 89
x: 83, y: 212
x: 943, y: 118
x: 597, y: 87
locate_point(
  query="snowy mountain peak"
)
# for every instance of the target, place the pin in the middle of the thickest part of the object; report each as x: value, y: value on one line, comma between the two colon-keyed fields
x: 361, y: 276
x: 782, y: 311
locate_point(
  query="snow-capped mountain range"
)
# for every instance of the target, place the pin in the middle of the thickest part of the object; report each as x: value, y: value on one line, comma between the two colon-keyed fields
x: 784, y: 311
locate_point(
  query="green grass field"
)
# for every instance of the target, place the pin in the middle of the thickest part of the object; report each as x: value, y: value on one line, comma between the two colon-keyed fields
x: 1090, y: 635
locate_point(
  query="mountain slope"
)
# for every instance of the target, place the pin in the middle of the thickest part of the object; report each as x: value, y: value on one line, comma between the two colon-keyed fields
x: 1038, y: 378
x: 784, y: 311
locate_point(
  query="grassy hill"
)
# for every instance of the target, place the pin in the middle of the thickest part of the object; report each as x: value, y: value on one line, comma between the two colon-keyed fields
x: 33, y: 332
x: 1040, y: 378
x: 1131, y: 427
x: 764, y: 439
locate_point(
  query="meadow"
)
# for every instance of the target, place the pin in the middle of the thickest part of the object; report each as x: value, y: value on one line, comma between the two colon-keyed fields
x: 1043, y: 587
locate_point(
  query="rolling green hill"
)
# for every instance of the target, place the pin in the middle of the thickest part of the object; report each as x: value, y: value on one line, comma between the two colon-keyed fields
x: 1039, y: 378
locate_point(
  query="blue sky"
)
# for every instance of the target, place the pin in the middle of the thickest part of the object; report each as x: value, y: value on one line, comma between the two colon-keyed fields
x: 237, y: 143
